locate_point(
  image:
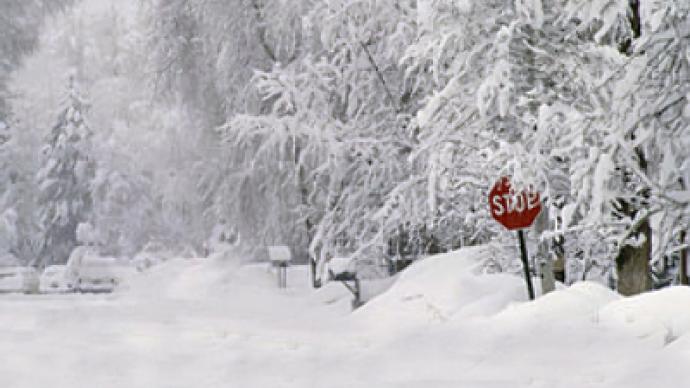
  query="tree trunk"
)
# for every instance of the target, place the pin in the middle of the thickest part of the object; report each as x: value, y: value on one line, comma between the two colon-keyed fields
x: 632, y: 264
x: 303, y: 189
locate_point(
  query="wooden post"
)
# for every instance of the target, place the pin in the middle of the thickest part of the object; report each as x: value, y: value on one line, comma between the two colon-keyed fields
x: 280, y: 257
x: 548, y: 280
x: 357, y: 300
x: 315, y: 283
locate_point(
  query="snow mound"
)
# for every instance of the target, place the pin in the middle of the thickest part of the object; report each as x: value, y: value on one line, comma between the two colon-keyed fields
x: 581, y: 301
x: 198, y: 278
x: 661, y: 316
x: 332, y: 293
x: 442, y: 287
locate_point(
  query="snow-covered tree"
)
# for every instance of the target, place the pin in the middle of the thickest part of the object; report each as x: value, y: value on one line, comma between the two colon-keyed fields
x: 625, y: 169
x: 510, y: 88
x: 123, y: 212
x: 65, y: 179
x: 203, y: 55
x: 654, y: 150
x: 20, y: 23
x: 8, y: 215
x: 373, y: 128
x: 331, y: 142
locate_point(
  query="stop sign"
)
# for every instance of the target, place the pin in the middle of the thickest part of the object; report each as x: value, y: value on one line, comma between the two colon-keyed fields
x: 513, y: 210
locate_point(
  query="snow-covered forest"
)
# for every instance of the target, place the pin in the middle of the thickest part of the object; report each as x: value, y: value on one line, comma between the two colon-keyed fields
x: 366, y: 128
x: 163, y: 161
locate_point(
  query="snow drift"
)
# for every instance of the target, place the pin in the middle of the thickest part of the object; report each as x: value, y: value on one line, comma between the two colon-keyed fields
x: 452, y: 288
x: 441, y: 288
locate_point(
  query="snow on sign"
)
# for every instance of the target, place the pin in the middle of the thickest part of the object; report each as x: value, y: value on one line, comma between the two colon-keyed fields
x: 279, y: 253
x: 513, y: 210
x: 280, y: 256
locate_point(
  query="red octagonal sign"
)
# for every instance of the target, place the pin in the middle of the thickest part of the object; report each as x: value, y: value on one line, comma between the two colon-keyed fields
x: 513, y: 210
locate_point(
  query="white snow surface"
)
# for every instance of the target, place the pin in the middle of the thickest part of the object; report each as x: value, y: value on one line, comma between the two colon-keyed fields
x: 217, y: 322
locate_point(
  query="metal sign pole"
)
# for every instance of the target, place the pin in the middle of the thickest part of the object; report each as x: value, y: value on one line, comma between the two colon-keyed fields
x: 525, y: 264
x: 283, y: 275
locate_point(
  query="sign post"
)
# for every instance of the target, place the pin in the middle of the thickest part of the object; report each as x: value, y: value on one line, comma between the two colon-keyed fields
x: 280, y: 256
x: 515, y: 211
x: 525, y: 264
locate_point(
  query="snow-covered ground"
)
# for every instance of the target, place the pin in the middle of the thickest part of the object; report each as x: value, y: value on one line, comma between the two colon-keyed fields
x: 216, y: 323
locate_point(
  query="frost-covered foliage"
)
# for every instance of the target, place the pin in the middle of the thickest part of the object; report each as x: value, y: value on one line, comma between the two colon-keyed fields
x: 391, y: 120
x: 375, y: 129
x: 206, y: 52
x: 627, y: 151
x: 65, y: 179
x: 204, y: 73
x: 332, y: 141
x: 123, y: 209
x: 654, y: 142
x: 140, y: 144
x: 20, y: 23
x: 518, y: 91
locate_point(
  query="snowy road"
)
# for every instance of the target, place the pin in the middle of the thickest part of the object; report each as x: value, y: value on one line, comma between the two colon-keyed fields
x: 253, y: 335
x: 125, y: 341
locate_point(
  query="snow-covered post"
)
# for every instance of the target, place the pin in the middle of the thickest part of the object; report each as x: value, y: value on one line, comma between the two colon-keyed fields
x: 280, y: 256
x: 548, y: 279
x: 545, y: 260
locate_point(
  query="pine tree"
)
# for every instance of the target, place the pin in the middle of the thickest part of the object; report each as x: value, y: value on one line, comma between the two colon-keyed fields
x: 4, y: 139
x: 65, y: 180
x: 7, y: 214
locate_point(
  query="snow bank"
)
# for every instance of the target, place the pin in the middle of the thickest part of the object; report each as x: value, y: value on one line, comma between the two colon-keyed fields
x: 442, y: 287
x: 333, y: 294
x: 443, y: 321
x: 230, y: 283
x: 196, y: 278
x: 217, y: 322
x: 450, y: 287
x: 661, y: 316
x: 581, y: 301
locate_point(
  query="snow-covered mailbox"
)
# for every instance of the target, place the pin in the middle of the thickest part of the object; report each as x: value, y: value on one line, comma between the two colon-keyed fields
x: 344, y: 270
x: 280, y: 257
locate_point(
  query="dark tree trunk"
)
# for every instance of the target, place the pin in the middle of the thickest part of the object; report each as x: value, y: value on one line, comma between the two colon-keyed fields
x: 632, y: 264
x: 303, y: 188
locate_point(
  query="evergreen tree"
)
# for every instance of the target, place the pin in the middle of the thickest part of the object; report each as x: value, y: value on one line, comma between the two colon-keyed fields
x: 65, y: 180
x: 7, y: 231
